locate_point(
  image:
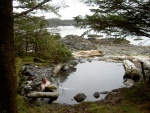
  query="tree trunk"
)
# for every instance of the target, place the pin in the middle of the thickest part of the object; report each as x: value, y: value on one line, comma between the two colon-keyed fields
x: 43, y: 94
x: 8, y: 89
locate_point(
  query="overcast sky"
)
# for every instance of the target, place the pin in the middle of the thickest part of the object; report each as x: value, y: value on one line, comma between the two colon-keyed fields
x: 71, y: 9
x: 74, y: 8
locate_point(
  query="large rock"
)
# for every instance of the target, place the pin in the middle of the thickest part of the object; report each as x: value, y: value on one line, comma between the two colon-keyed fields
x: 96, y: 95
x: 80, y: 97
x: 75, y: 42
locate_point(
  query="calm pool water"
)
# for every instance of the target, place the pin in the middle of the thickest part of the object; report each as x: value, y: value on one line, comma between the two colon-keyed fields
x: 88, y: 78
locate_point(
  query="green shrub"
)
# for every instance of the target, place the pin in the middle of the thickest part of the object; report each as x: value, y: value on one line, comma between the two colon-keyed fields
x: 30, y: 54
x: 21, y: 104
x: 57, y: 36
x: 19, y: 53
x: 55, y: 52
x: 138, y: 94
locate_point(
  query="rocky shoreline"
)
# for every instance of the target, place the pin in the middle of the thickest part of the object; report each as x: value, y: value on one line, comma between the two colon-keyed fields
x: 108, y: 46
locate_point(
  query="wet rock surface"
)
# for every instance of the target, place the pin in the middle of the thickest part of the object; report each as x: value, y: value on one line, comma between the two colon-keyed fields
x: 80, y: 97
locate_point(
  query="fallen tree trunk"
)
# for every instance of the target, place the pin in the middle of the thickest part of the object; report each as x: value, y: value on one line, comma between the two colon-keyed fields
x: 56, y: 69
x: 145, y: 62
x: 43, y: 95
x: 130, y: 70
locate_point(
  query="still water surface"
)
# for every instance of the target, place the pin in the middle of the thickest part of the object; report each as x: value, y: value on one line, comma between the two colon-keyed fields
x: 88, y: 78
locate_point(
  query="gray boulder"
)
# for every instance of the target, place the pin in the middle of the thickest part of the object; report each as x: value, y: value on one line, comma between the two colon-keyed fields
x: 75, y: 42
x: 80, y: 97
x: 96, y: 95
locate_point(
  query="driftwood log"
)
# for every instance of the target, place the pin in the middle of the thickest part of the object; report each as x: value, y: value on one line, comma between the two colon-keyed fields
x: 131, y: 71
x: 145, y: 62
x: 43, y: 95
x: 56, y: 69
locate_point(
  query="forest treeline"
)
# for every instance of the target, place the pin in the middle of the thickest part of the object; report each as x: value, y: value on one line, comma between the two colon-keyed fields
x: 58, y: 22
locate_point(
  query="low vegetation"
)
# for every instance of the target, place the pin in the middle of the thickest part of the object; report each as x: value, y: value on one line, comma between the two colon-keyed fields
x: 48, y: 49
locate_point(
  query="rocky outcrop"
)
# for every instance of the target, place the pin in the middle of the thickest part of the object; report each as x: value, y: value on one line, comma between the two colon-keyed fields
x: 75, y: 42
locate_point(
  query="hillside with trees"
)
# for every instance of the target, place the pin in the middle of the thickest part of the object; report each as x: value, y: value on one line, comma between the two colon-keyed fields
x: 58, y: 22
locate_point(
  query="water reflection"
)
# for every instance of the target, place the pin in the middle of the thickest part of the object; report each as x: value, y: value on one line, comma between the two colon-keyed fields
x: 89, y: 78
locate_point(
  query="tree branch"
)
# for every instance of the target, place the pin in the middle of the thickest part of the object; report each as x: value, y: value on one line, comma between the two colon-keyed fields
x: 35, y: 7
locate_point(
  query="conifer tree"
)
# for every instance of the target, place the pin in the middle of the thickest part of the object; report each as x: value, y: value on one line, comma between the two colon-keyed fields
x: 128, y: 17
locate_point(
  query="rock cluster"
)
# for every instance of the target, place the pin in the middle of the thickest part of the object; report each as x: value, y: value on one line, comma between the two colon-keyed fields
x: 75, y: 42
x: 107, y: 46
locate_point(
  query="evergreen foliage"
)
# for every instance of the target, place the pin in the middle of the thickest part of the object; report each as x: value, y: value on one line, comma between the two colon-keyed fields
x: 128, y: 17
x: 32, y: 37
x: 54, y: 51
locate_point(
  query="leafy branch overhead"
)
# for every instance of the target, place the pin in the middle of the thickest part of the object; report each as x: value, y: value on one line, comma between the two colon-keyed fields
x: 129, y: 17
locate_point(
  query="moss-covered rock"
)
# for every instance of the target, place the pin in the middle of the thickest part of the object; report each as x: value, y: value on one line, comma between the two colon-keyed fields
x: 50, y: 88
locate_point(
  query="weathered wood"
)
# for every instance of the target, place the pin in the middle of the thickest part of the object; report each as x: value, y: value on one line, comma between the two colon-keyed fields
x: 131, y: 71
x: 57, y: 69
x: 90, y: 53
x: 146, y: 63
x: 43, y: 95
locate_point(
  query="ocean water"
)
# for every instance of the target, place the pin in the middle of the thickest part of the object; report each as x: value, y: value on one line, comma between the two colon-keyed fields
x: 70, y: 30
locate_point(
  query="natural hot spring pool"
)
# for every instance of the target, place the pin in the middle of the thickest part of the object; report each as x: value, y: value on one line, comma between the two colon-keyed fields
x: 88, y: 78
